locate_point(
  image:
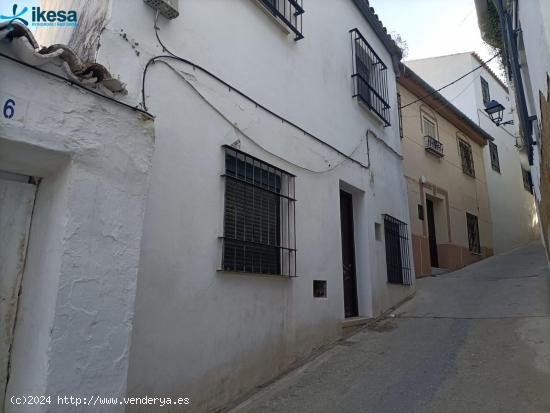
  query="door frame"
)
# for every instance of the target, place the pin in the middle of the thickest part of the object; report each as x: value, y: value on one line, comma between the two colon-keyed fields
x: 347, y: 207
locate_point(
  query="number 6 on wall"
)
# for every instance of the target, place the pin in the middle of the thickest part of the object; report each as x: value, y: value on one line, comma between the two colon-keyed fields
x: 9, y: 108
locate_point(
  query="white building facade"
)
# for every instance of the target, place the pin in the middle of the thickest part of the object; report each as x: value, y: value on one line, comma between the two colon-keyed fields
x: 513, y: 210
x: 521, y: 30
x: 277, y: 209
x: 74, y: 176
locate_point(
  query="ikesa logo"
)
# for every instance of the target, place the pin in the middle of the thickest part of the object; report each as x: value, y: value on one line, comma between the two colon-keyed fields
x: 42, y: 17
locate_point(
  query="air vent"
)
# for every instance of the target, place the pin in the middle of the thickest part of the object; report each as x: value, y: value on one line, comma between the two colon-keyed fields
x: 168, y: 8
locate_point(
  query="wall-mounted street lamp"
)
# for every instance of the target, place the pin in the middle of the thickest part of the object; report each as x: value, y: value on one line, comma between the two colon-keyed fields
x: 495, y: 111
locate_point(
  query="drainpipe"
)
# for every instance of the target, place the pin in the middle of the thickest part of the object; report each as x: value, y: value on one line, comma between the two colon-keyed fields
x: 510, y: 46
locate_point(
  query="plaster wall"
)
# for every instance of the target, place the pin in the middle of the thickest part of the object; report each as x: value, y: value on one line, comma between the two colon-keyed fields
x: 513, y: 210
x: 199, y: 332
x: 76, y: 306
x: 442, y: 180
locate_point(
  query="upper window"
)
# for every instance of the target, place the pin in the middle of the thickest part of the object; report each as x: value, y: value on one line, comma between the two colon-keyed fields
x: 467, y: 158
x: 429, y: 128
x: 288, y: 12
x: 400, y: 114
x: 370, y: 77
x: 527, y: 180
x: 473, y: 233
x: 493, y: 150
x: 259, y: 217
x: 485, y: 91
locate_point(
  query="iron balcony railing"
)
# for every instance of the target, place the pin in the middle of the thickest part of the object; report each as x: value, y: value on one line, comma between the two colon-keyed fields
x: 433, y: 146
x: 289, y: 12
x: 370, y: 77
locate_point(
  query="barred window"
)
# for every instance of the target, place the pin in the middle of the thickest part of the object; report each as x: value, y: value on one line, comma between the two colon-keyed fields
x: 485, y: 91
x: 473, y: 233
x: 259, y: 217
x: 400, y: 114
x: 397, y: 251
x: 467, y: 158
x: 370, y: 77
x: 495, y: 163
x: 289, y: 12
x: 527, y: 180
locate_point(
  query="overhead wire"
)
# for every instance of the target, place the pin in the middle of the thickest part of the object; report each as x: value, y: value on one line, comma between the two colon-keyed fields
x: 483, y: 64
x: 173, y: 56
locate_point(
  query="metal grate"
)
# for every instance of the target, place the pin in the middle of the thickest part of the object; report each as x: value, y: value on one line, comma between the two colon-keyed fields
x: 473, y: 233
x: 527, y: 180
x: 397, y: 251
x: 467, y: 158
x: 485, y: 91
x: 259, y: 217
x: 433, y: 146
x: 370, y: 77
x: 493, y: 151
x: 400, y: 114
x: 289, y: 12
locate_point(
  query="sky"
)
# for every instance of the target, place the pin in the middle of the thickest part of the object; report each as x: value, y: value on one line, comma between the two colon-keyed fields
x: 434, y: 27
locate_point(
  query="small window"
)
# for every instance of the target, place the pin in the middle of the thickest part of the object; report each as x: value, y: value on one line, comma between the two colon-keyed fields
x: 467, y: 158
x: 400, y: 114
x: 259, y: 217
x: 473, y: 234
x: 527, y: 180
x: 397, y: 251
x: 289, y: 12
x: 370, y: 77
x: 485, y: 91
x: 493, y: 150
x: 421, y: 212
x: 429, y: 128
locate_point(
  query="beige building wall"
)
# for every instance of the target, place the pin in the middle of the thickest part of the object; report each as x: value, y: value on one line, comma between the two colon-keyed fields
x: 442, y: 180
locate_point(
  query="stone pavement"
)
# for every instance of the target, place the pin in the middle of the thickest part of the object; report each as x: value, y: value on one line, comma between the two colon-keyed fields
x: 473, y: 340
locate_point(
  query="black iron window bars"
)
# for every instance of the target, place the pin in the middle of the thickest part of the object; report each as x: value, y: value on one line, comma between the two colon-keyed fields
x: 473, y: 234
x: 289, y: 12
x: 259, y: 217
x: 467, y: 158
x: 397, y: 251
x: 370, y: 77
x: 493, y: 151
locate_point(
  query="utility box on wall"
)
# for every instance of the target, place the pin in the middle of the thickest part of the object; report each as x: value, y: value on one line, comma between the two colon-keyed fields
x: 168, y: 8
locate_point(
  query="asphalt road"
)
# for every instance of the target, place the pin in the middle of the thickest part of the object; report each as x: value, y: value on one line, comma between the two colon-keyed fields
x: 473, y: 340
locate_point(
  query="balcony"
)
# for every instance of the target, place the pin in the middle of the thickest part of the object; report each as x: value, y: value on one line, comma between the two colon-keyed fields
x: 433, y: 146
x: 288, y: 12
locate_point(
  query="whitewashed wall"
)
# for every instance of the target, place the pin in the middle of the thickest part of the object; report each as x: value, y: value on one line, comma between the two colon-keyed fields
x: 75, y: 313
x: 211, y: 335
x: 513, y: 210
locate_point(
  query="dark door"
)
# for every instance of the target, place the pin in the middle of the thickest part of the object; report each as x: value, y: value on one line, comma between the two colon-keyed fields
x: 348, y: 255
x: 431, y: 234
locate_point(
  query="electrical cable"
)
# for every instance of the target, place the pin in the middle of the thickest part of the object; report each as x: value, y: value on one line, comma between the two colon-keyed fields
x: 195, y: 66
x: 73, y: 83
x: 243, y: 133
x: 452, y: 83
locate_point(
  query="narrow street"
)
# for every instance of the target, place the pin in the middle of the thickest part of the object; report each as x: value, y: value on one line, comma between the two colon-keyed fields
x: 473, y: 340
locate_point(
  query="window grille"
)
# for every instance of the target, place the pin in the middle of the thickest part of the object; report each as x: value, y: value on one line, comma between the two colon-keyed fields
x: 397, y: 251
x: 473, y: 233
x: 493, y: 150
x: 259, y: 217
x: 527, y: 180
x: 400, y: 114
x: 485, y: 91
x: 467, y: 158
x: 289, y: 12
x: 370, y: 77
